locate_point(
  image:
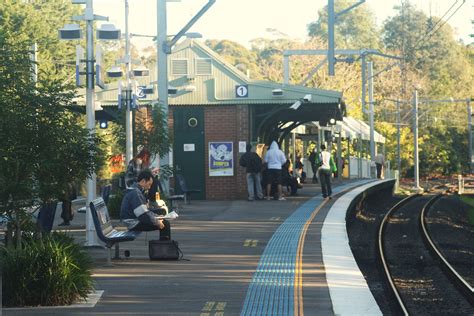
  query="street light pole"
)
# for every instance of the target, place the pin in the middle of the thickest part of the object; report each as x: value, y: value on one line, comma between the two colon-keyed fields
x: 128, y: 92
x: 91, y: 236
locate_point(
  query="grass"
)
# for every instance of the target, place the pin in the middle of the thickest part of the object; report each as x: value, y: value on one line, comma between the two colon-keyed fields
x: 469, y: 201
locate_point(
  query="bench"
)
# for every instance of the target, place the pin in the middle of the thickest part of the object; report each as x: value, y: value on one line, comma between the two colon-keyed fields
x: 106, y: 232
x: 184, y: 188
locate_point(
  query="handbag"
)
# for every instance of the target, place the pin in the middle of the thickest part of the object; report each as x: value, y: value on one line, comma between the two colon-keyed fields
x: 164, y: 250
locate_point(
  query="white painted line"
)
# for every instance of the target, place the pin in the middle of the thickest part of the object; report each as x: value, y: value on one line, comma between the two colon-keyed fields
x: 89, y: 302
x: 350, y: 294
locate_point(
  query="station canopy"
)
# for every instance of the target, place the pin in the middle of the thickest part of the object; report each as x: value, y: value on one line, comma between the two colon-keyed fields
x: 355, y: 128
x: 198, y: 76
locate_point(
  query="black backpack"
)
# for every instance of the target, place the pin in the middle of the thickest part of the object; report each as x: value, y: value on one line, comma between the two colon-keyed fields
x: 255, y: 163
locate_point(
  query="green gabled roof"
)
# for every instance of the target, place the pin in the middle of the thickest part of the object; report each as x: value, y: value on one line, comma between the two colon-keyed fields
x: 219, y: 87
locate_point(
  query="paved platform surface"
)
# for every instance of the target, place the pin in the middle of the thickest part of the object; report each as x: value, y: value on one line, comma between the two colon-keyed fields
x: 223, y: 241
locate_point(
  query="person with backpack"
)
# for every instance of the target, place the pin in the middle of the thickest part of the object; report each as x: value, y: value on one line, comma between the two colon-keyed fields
x: 314, y: 167
x: 253, y: 164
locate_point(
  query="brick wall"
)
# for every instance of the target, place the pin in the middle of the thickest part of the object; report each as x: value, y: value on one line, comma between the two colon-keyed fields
x: 224, y: 123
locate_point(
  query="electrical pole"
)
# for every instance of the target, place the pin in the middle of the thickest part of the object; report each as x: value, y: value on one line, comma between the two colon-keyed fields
x: 332, y: 19
x: 399, y: 159
x: 371, y: 119
x: 163, y: 50
x: 469, y: 130
x: 331, y: 44
x: 415, y: 135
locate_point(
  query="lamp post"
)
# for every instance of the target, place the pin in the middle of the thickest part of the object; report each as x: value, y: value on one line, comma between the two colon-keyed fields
x: 116, y: 72
x: 73, y: 32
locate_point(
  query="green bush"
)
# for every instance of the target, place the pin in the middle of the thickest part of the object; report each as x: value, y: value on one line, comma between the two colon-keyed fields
x: 115, y: 201
x: 48, y: 271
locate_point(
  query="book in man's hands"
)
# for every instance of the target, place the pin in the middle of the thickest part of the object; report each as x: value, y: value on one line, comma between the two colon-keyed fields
x: 170, y: 216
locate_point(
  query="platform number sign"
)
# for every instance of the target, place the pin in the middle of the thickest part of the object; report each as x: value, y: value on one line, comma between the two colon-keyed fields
x: 140, y: 93
x: 242, y: 91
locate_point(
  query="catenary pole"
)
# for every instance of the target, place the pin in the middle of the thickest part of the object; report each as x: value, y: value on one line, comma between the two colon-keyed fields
x: 415, y: 135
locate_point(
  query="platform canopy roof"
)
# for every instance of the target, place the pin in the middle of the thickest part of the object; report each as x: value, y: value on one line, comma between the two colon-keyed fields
x: 198, y: 76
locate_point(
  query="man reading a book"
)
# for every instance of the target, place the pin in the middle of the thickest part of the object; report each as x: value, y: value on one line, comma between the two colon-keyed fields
x: 134, y: 211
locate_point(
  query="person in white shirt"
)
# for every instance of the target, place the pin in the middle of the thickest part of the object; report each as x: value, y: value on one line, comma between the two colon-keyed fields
x: 274, y: 158
x: 325, y: 172
x: 379, y: 163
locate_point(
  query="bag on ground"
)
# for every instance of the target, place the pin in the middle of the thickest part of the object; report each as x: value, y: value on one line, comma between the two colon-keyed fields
x: 164, y: 250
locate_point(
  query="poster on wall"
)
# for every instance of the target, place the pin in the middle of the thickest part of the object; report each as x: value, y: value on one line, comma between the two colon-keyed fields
x: 221, y: 159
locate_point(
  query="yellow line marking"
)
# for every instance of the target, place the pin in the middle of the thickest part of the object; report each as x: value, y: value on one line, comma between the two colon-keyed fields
x: 220, y: 306
x: 205, y: 314
x: 208, y: 306
x: 219, y: 314
x: 298, y: 293
x: 250, y: 243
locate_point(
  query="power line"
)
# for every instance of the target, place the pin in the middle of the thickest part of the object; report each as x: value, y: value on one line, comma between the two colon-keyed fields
x: 429, y: 34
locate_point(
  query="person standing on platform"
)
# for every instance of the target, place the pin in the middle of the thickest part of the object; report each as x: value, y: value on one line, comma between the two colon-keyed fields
x: 253, y: 164
x: 379, y: 163
x: 312, y: 160
x: 275, y: 159
x: 141, y: 162
x: 67, y: 214
x: 325, y: 172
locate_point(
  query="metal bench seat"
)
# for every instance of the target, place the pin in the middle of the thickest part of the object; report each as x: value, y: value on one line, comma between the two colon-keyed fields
x: 106, y: 232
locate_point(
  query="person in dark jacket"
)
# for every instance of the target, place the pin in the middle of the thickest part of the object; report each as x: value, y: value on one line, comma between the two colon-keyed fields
x: 134, y: 211
x: 253, y: 164
x: 287, y: 179
x: 67, y: 214
x: 140, y: 162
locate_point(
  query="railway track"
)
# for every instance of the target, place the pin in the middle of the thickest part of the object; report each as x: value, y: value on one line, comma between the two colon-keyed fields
x: 420, y: 278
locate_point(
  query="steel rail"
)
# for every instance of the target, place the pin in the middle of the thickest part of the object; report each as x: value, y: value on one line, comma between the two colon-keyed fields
x: 463, y: 285
x: 386, y: 269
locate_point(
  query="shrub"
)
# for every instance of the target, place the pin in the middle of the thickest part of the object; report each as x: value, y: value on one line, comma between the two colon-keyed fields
x: 48, y: 271
x: 115, y: 202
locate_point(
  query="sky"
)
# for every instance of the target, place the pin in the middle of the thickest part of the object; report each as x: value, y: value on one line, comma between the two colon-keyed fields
x: 243, y: 20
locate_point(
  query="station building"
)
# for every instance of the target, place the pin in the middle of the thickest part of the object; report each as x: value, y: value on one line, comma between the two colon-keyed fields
x: 215, y: 110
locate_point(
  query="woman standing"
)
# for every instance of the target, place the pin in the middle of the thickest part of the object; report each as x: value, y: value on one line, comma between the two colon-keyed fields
x: 141, y: 162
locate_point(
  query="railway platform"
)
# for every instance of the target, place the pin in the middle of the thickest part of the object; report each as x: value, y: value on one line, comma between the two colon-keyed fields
x: 241, y: 258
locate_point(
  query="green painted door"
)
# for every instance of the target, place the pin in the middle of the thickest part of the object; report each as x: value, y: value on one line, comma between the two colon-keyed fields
x: 188, y: 148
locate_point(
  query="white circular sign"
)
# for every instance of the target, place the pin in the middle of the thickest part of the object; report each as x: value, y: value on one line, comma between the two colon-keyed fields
x: 241, y: 91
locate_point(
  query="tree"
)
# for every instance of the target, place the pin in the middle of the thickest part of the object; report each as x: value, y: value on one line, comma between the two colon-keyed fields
x: 43, y: 147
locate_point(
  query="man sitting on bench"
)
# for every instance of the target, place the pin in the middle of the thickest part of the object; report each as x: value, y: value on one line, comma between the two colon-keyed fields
x: 134, y: 211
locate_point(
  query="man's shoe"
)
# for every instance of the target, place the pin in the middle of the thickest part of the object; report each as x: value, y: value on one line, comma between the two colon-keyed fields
x: 330, y: 197
x: 64, y: 224
x: 281, y: 198
x: 268, y: 198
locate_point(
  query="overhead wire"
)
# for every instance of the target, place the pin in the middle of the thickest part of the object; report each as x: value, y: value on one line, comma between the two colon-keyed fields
x: 431, y: 31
